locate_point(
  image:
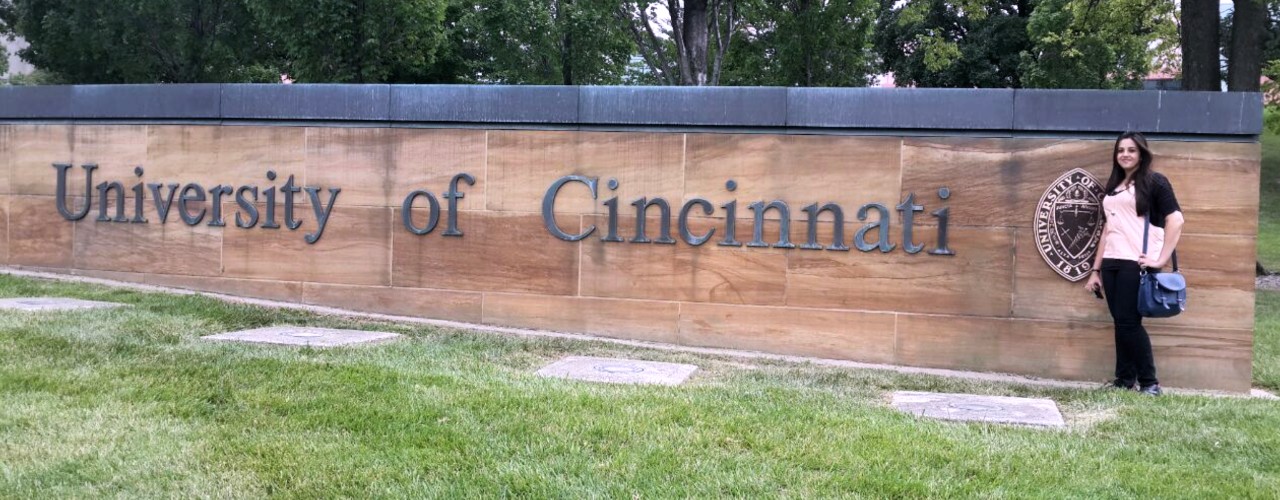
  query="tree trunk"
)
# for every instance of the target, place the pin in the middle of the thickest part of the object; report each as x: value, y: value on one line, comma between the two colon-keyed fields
x: 695, y: 40
x: 1244, y: 66
x: 677, y: 13
x: 566, y: 59
x: 1200, y: 67
x: 565, y: 25
x: 803, y: 13
x: 691, y: 25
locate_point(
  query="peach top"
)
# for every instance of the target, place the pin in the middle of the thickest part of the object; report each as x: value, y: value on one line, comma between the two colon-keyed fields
x: 1123, y: 238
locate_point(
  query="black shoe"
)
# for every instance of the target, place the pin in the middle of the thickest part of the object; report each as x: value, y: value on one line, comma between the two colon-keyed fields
x: 1121, y: 384
x: 1151, y: 390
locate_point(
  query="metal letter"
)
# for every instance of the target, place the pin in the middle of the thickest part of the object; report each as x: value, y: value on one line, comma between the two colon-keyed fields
x: 245, y: 204
x: 453, y: 196
x: 164, y: 204
x: 549, y: 204
x: 433, y: 215
x: 612, y: 203
x: 837, y: 239
x: 860, y: 238
x: 322, y: 211
x: 139, y: 192
x: 909, y: 209
x: 215, y: 219
x: 61, y: 191
x: 784, y: 224
x: 288, y: 190
x: 270, y: 194
x: 186, y: 216
x: 683, y: 222
x: 119, y: 202
x: 942, y: 214
x: 642, y: 207
x: 730, y: 224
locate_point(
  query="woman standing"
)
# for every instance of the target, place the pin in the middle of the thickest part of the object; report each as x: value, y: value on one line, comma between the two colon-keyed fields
x: 1133, y: 192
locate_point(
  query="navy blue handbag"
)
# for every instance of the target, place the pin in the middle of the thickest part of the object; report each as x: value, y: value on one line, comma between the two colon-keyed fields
x: 1160, y: 295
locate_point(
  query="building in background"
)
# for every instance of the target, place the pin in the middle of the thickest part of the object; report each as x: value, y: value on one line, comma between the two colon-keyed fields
x: 1159, y: 80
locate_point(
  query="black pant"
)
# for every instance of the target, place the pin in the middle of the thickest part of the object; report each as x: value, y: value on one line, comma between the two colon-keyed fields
x: 1134, y: 360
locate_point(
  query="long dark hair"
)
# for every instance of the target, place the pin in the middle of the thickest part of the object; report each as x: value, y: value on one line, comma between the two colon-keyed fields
x: 1141, y: 177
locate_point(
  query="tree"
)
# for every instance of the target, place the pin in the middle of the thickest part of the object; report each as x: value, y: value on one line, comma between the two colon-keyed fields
x: 1245, y: 36
x: 570, y: 42
x: 675, y: 37
x: 90, y: 41
x: 1200, y: 70
x: 355, y: 41
x: 1095, y: 44
x: 962, y: 43
x: 806, y: 43
x: 451, y: 58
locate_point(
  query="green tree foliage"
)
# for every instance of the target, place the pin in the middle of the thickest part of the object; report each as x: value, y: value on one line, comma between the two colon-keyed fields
x: 37, y: 77
x: 94, y: 41
x: 962, y: 43
x: 1271, y: 47
x: 355, y: 41
x: 6, y: 33
x: 450, y: 61
x: 809, y: 43
x: 1095, y: 44
x: 570, y: 42
x: 1271, y: 67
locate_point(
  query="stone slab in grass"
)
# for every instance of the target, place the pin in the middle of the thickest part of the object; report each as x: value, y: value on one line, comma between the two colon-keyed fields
x: 303, y: 336
x: 618, y: 371
x: 53, y: 304
x: 995, y: 409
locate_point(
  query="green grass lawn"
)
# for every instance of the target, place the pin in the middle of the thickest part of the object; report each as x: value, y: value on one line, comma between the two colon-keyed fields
x: 130, y: 403
x: 1269, y: 204
x: 1266, y: 341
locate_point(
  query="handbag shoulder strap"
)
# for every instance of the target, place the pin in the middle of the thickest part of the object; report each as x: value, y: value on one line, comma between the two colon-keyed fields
x: 1146, y: 228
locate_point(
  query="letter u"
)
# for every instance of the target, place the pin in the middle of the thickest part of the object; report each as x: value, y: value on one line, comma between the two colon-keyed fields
x: 61, y: 193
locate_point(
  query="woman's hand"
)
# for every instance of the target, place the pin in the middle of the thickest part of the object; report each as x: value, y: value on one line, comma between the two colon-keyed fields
x: 1147, y: 262
x: 1095, y: 282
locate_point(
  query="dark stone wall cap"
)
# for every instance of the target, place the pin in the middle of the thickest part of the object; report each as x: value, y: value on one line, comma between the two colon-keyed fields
x: 485, y: 103
x: 46, y: 101
x: 1210, y: 112
x: 1230, y: 113
x: 965, y: 109
x: 695, y: 106
x: 1086, y: 110
x: 194, y: 101
x: 845, y: 110
x: 269, y: 101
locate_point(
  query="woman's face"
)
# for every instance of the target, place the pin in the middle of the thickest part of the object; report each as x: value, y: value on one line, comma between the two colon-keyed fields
x: 1128, y: 155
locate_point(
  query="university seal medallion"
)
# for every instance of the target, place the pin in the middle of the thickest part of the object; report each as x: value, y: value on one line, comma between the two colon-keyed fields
x: 1068, y: 223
